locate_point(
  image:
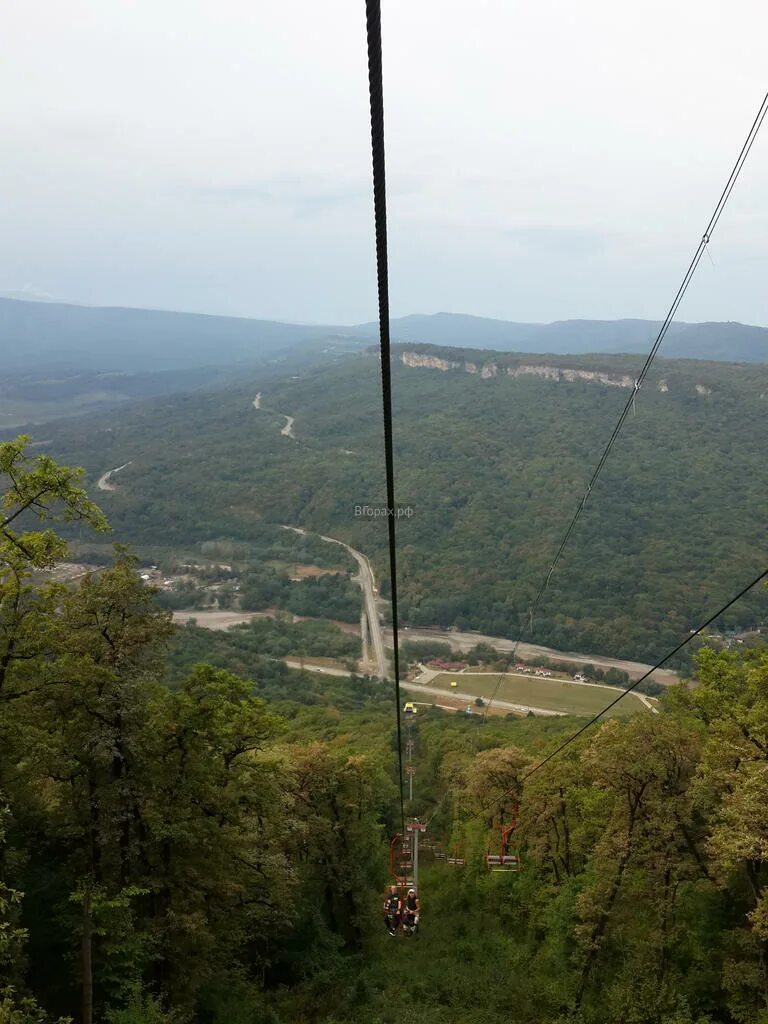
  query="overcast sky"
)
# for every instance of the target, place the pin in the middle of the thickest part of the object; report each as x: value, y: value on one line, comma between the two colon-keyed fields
x: 546, y: 160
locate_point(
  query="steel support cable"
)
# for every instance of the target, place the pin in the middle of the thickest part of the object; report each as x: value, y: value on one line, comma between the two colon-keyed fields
x: 642, y: 678
x: 437, y: 807
x: 376, y: 91
x: 630, y: 404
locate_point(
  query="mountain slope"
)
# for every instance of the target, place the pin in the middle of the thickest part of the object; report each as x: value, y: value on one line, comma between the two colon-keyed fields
x: 491, y: 467
x: 54, y: 334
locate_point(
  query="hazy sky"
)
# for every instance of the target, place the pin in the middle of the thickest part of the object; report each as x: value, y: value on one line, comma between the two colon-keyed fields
x: 546, y: 160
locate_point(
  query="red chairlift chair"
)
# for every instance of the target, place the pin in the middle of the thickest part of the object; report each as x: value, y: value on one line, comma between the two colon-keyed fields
x: 508, y: 857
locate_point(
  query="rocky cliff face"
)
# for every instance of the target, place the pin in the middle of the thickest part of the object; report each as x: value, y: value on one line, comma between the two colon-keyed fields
x: 432, y: 362
x: 501, y: 367
x: 568, y: 374
x: 489, y: 370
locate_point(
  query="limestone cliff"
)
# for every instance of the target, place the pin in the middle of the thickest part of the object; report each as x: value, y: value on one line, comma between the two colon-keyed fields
x: 488, y: 370
x: 431, y: 362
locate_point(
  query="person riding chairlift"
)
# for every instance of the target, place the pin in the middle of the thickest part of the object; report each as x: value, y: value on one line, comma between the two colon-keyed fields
x: 392, y: 910
x: 411, y: 910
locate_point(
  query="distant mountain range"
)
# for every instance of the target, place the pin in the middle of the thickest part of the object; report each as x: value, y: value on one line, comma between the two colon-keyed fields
x: 48, y: 335
x: 724, y: 342
x: 51, y: 334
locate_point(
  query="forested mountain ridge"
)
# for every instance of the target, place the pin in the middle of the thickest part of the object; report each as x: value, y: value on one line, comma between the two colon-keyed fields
x: 492, y: 469
x: 135, y: 340
x: 147, y: 340
x: 730, y: 342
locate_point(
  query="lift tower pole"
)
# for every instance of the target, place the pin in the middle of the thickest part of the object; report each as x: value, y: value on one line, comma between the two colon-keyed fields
x: 415, y: 827
x: 416, y: 861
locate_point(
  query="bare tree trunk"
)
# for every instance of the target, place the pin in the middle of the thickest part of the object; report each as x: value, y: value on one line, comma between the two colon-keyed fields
x: 566, y: 858
x: 693, y: 848
x: 86, y: 959
x: 602, y: 921
x: 556, y: 870
x: 599, y: 929
x: 119, y: 774
x: 669, y: 896
x: 752, y: 871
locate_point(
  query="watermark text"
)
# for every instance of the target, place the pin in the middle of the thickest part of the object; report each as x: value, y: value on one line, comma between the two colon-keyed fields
x: 383, y: 511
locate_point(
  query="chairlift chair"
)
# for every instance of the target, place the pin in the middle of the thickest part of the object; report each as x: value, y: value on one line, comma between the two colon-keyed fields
x: 455, y: 855
x: 400, y: 862
x: 507, y: 859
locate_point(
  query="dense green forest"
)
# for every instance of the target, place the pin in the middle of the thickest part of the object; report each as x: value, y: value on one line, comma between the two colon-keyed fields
x: 243, y: 649
x: 491, y: 469
x: 180, y: 843
x: 334, y: 595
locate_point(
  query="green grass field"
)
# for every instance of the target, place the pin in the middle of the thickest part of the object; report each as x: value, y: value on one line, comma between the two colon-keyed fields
x: 550, y: 694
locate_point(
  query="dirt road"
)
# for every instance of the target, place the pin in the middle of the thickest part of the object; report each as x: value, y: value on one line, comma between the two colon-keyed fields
x: 465, y: 641
x: 218, y: 619
x: 104, y: 482
x: 287, y: 429
x: 365, y: 580
x: 326, y: 670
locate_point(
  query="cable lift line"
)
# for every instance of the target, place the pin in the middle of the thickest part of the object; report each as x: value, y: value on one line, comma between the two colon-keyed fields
x: 376, y: 92
x: 622, y: 695
x: 405, y: 844
x: 640, y: 380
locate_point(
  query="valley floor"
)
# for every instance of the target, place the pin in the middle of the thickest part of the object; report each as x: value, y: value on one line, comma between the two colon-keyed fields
x: 465, y: 641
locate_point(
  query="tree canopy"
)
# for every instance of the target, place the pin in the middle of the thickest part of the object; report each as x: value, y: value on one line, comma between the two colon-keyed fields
x: 181, y: 842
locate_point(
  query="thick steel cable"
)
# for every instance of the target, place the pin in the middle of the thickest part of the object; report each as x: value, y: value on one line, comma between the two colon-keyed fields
x: 376, y: 90
x: 697, y: 256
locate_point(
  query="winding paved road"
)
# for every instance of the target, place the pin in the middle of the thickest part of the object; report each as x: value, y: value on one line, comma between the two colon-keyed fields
x: 287, y: 428
x: 365, y: 579
x: 104, y: 482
